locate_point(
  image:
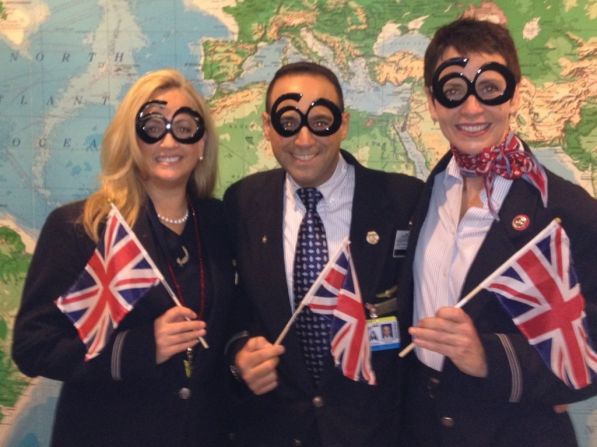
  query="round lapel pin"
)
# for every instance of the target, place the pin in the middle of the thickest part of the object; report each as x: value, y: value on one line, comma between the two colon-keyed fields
x: 372, y: 237
x: 521, y: 222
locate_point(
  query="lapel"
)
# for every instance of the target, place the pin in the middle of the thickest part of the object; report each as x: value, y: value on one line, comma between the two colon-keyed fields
x: 266, y: 236
x: 503, y: 238
x: 370, y: 214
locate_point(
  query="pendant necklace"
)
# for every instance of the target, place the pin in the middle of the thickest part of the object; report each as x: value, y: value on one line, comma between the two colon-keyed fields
x: 181, y: 261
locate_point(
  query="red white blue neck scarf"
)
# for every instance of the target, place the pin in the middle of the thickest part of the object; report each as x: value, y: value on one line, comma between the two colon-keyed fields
x: 508, y: 160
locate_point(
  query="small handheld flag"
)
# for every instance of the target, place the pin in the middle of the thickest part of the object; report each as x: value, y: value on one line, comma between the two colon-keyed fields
x: 541, y: 293
x: 336, y: 292
x: 116, y: 276
x: 539, y: 289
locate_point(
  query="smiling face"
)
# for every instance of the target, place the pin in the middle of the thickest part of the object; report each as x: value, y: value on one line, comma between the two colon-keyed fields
x: 169, y: 163
x: 309, y: 159
x: 473, y: 126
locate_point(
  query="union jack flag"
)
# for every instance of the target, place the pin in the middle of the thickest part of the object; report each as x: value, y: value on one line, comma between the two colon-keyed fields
x: 336, y: 292
x: 540, y: 291
x: 116, y: 276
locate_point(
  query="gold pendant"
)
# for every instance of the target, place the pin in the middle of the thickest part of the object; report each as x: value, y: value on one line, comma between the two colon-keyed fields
x: 184, y: 258
x: 188, y: 363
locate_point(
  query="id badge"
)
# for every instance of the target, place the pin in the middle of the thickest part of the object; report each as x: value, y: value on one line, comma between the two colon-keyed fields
x: 383, y: 333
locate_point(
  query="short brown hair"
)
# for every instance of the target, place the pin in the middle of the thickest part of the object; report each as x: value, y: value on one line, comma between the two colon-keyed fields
x: 468, y: 35
x: 309, y: 68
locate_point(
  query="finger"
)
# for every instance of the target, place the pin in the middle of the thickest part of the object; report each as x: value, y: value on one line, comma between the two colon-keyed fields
x: 265, y: 385
x: 257, y: 343
x: 179, y: 327
x: 179, y: 313
x: 452, y: 314
x: 261, y: 378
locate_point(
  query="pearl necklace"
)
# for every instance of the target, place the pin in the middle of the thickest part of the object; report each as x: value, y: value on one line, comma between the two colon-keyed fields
x: 178, y: 221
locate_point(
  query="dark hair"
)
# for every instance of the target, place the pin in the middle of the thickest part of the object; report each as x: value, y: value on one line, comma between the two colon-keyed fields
x: 309, y: 68
x: 468, y: 35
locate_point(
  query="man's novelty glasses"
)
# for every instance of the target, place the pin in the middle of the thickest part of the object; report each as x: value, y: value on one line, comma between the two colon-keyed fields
x: 492, y: 85
x: 186, y: 126
x: 323, y: 117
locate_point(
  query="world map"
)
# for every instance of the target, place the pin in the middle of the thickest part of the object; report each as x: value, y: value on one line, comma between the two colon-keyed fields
x: 66, y: 64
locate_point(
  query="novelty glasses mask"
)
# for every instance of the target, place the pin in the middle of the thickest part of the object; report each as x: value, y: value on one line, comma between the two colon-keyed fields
x: 323, y: 117
x: 186, y: 126
x: 492, y: 85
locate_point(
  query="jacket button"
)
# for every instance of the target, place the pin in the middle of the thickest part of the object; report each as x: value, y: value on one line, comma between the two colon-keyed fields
x: 184, y: 393
x: 318, y: 402
x: 296, y: 443
x: 447, y: 422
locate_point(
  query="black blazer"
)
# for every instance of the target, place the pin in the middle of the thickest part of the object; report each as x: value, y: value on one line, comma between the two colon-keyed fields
x: 142, y: 407
x: 513, y: 406
x: 339, y: 412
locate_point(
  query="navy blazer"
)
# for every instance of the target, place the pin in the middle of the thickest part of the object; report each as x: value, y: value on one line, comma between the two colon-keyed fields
x: 514, y: 404
x: 339, y: 412
x: 121, y: 397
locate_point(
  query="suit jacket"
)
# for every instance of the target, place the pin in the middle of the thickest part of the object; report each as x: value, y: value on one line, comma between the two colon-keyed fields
x: 513, y: 405
x: 121, y: 397
x: 339, y: 412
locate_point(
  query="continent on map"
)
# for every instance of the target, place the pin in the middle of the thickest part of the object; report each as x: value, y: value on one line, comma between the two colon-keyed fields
x: 14, y: 262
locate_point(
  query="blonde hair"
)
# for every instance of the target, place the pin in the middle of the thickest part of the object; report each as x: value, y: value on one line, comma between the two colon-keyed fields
x: 122, y: 164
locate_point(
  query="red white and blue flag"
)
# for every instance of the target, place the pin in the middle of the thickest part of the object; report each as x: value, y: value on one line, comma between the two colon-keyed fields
x: 116, y: 276
x: 336, y: 292
x: 541, y: 292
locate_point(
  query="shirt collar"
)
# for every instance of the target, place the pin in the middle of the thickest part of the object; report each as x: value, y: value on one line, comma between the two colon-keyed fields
x: 330, y: 186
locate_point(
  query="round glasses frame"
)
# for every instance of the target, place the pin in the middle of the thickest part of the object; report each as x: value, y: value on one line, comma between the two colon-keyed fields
x: 438, y: 83
x: 143, y: 118
x: 276, y: 116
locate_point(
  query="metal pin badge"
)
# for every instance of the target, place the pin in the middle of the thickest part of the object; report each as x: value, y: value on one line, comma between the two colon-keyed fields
x: 372, y: 237
x: 521, y: 222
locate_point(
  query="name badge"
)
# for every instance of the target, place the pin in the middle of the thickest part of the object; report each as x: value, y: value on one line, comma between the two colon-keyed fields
x: 400, y: 243
x: 383, y: 333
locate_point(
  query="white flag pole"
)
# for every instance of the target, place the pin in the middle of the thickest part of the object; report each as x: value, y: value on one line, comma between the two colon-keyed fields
x: 152, y: 264
x: 310, y: 293
x: 497, y: 272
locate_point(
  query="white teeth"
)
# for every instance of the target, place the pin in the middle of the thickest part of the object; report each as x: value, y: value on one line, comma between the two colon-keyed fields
x: 303, y: 157
x: 170, y: 159
x: 473, y: 127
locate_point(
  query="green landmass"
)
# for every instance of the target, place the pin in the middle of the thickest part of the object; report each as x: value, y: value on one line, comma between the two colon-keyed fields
x: 14, y: 262
x: 377, y: 134
x: 580, y: 142
x: 225, y: 59
x: 2, y: 11
x: 239, y: 142
x: 539, y: 57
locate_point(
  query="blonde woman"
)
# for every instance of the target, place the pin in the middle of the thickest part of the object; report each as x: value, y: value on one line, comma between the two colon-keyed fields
x: 152, y: 384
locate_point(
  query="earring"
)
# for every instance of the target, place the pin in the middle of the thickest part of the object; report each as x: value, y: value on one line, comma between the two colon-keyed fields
x: 200, y: 157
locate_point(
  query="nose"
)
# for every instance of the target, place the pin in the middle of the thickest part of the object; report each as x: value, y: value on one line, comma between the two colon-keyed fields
x: 168, y: 140
x: 304, y: 137
x: 472, y: 106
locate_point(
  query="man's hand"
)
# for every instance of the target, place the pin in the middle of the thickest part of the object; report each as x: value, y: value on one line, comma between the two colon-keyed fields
x: 451, y: 332
x: 257, y: 362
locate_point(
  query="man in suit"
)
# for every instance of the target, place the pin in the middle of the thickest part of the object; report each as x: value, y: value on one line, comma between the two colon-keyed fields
x: 287, y: 402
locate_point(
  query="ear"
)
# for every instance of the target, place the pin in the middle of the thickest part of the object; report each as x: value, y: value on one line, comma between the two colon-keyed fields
x: 345, y: 126
x: 431, y: 106
x: 266, y: 123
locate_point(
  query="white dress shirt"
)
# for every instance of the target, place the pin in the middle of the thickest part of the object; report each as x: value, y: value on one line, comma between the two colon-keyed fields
x: 335, y: 210
x: 447, y: 247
